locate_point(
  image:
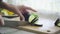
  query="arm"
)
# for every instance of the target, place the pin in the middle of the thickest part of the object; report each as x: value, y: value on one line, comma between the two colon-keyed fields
x: 14, y: 9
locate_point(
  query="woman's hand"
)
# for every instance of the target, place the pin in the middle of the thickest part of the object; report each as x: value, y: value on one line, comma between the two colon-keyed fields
x: 22, y: 18
x: 1, y: 21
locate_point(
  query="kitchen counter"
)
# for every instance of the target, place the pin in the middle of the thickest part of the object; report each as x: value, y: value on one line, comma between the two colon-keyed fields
x: 40, y: 30
x: 48, y: 29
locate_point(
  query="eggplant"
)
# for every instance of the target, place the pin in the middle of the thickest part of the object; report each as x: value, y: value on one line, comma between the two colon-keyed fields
x: 57, y: 23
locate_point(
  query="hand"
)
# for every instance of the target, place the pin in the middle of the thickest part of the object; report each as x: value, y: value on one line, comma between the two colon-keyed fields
x: 22, y: 19
x: 1, y: 20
